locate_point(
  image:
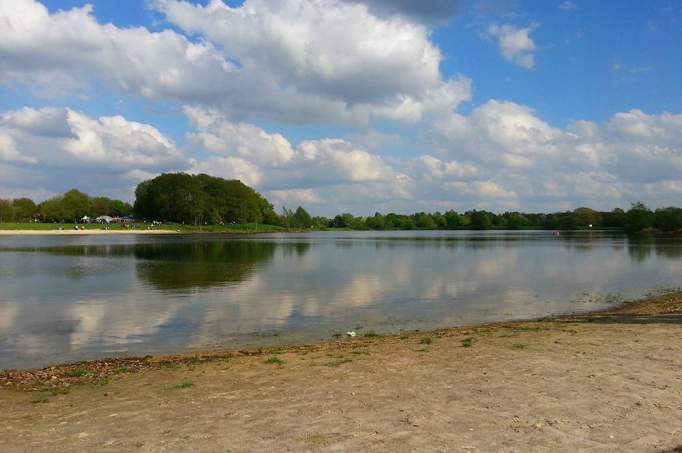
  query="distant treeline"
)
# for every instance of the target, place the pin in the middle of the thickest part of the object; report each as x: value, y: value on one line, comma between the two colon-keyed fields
x: 70, y: 207
x: 203, y: 199
x: 637, y: 218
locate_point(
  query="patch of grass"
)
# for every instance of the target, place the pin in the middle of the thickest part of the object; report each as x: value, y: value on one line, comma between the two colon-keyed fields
x: 77, y: 372
x: 339, y: 362
x: 519, y: 346
x: 274, y: 360
x: 526, y: 329
x: 467, y: 342
x: 484, y: 333
x: 123, y: 369
x: 372, y: 334
x: 102, y: 381
x: 40, y: 400
x: 54, y: 391
x: 426, y: 340
x: 185, y: 384
x: 336, y: 335
x: 360, y: 352
x: 404, y: 336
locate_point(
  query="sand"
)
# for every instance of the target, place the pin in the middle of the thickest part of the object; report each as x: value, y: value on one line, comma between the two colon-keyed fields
x: 70, y: 232
x: 608, y: 382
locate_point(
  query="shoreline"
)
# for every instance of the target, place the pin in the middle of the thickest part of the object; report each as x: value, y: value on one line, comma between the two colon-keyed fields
x: 602, y: 381
x: 57, y: 374
x: 81, y: 232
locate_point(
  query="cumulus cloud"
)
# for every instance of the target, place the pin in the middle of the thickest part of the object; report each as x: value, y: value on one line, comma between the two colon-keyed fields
x: 599, y: 164
x: 217, y: 135
x: 432, y: 12
x: 332, y: 57
x: 61, y: 147
x: 515, y: 44
x: 431, y: 167
x: 250, y: 150
x: 290, y: 60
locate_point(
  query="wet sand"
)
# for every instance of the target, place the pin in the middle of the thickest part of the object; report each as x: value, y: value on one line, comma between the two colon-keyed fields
x: 607, y: 381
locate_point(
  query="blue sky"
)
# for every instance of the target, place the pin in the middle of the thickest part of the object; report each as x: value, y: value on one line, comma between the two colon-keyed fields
x: 348, y: 105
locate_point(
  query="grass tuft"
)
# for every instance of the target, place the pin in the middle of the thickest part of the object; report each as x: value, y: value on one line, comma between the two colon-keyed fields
x: 426, y: 340
x: 77, y: 372
x: 185, y: 384
x: 274, y: 360
x: 467, y: 342
x: 339, y: 362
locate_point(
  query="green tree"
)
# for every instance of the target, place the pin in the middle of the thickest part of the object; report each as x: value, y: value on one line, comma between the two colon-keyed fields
x: 480, y: 220
x: 638, y: 218
x: 75, y: 205
x: 584, y: 217
x: 668, y: 219
x: 6, y: 211
x: 24, y: 209
x: 452, y: 219
x: 196, y: 199
x: 301, y: 219
x: 515, y: 221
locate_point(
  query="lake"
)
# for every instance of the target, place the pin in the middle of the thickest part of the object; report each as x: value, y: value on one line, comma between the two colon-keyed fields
x: 66, y: 298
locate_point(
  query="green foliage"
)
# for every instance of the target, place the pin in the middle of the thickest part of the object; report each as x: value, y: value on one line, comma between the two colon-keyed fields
x: 6, y: 211
x: 668, y: 219
x: 586, y: 216
x: 70, y: 207
x: 200, y: 199
x: 639, y: 218
x: 296, y: 219
x: 274, y: 360
x: 480, y: 220
x: 24, y: 209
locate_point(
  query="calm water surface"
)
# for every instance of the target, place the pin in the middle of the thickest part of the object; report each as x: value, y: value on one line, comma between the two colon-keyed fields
x: 83, y: 297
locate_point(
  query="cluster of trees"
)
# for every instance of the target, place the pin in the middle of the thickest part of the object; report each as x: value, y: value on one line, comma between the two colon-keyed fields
x: 69, y: 207
x: 636, y: 219
x: 201, y: 199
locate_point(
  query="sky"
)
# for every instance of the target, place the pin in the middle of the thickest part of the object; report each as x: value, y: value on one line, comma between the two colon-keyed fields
x: 348, y: 105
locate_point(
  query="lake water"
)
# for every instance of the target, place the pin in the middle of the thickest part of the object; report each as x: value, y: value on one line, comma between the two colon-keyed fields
x: 82, y: 297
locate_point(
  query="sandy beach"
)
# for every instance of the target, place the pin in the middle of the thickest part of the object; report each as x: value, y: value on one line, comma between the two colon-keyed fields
x: 80, y: 232
x: 609, y: 381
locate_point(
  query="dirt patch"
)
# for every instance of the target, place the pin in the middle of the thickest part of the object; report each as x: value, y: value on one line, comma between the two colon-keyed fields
x: 608, y: 381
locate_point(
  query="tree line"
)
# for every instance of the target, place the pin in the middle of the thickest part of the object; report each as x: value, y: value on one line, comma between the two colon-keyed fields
x: 72, y: 206
x: 203, y: 199
x: 638, y: 218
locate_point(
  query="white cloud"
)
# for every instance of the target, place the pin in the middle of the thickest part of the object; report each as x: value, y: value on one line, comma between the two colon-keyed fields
x: 587, y: 163
x: 568, y: 5
x: 289, y: 60
x: 295, y: 196
x: 500, y: 133
x: 59, y: 147
x: 515, y: 44
x: 218, y: 135
x: 431, y: 167
x: 230, y: 168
